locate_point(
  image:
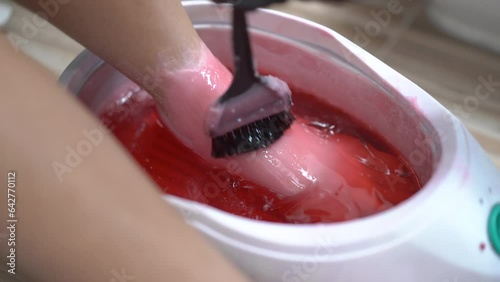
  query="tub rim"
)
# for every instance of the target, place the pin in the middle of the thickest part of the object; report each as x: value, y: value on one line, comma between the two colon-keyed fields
x: 403, y: 220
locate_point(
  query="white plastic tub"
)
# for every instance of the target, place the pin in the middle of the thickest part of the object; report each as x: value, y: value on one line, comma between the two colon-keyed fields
x: 440, y: 234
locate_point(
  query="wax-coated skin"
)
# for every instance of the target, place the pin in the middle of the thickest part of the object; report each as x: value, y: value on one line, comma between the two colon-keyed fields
x: 300, y: 161
x: 89, y: 217
x: 369, y: 180
x: 190, y: 93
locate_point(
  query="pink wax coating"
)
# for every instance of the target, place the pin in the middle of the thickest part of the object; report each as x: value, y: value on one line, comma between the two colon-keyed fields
x: 290, y: 166
x: 299, y: 162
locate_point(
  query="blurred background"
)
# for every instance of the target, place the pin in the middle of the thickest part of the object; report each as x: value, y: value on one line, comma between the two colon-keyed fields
x: 448, y: 47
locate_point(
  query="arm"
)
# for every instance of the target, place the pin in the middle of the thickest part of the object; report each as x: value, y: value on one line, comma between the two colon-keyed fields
x: 156, y: 38
x: 134, y: 36
x: 96, y: 222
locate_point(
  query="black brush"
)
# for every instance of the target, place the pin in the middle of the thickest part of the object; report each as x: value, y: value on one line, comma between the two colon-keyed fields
x: 255, y: 111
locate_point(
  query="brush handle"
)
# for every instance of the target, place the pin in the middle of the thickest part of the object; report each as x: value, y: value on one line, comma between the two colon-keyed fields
x: 243, y: 57
x: 249, y: 4
x: 245, y: 74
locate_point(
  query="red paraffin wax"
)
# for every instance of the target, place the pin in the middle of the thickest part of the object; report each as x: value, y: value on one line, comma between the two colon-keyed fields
x: 367, y: 174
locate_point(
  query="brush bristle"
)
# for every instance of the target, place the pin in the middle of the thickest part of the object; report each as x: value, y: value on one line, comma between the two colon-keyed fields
x: 253, y: 136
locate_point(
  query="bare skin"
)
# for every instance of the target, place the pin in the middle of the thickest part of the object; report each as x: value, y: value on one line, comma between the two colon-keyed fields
x: 96, y: 220
x: 133, y: 36
x: 155, y: 44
